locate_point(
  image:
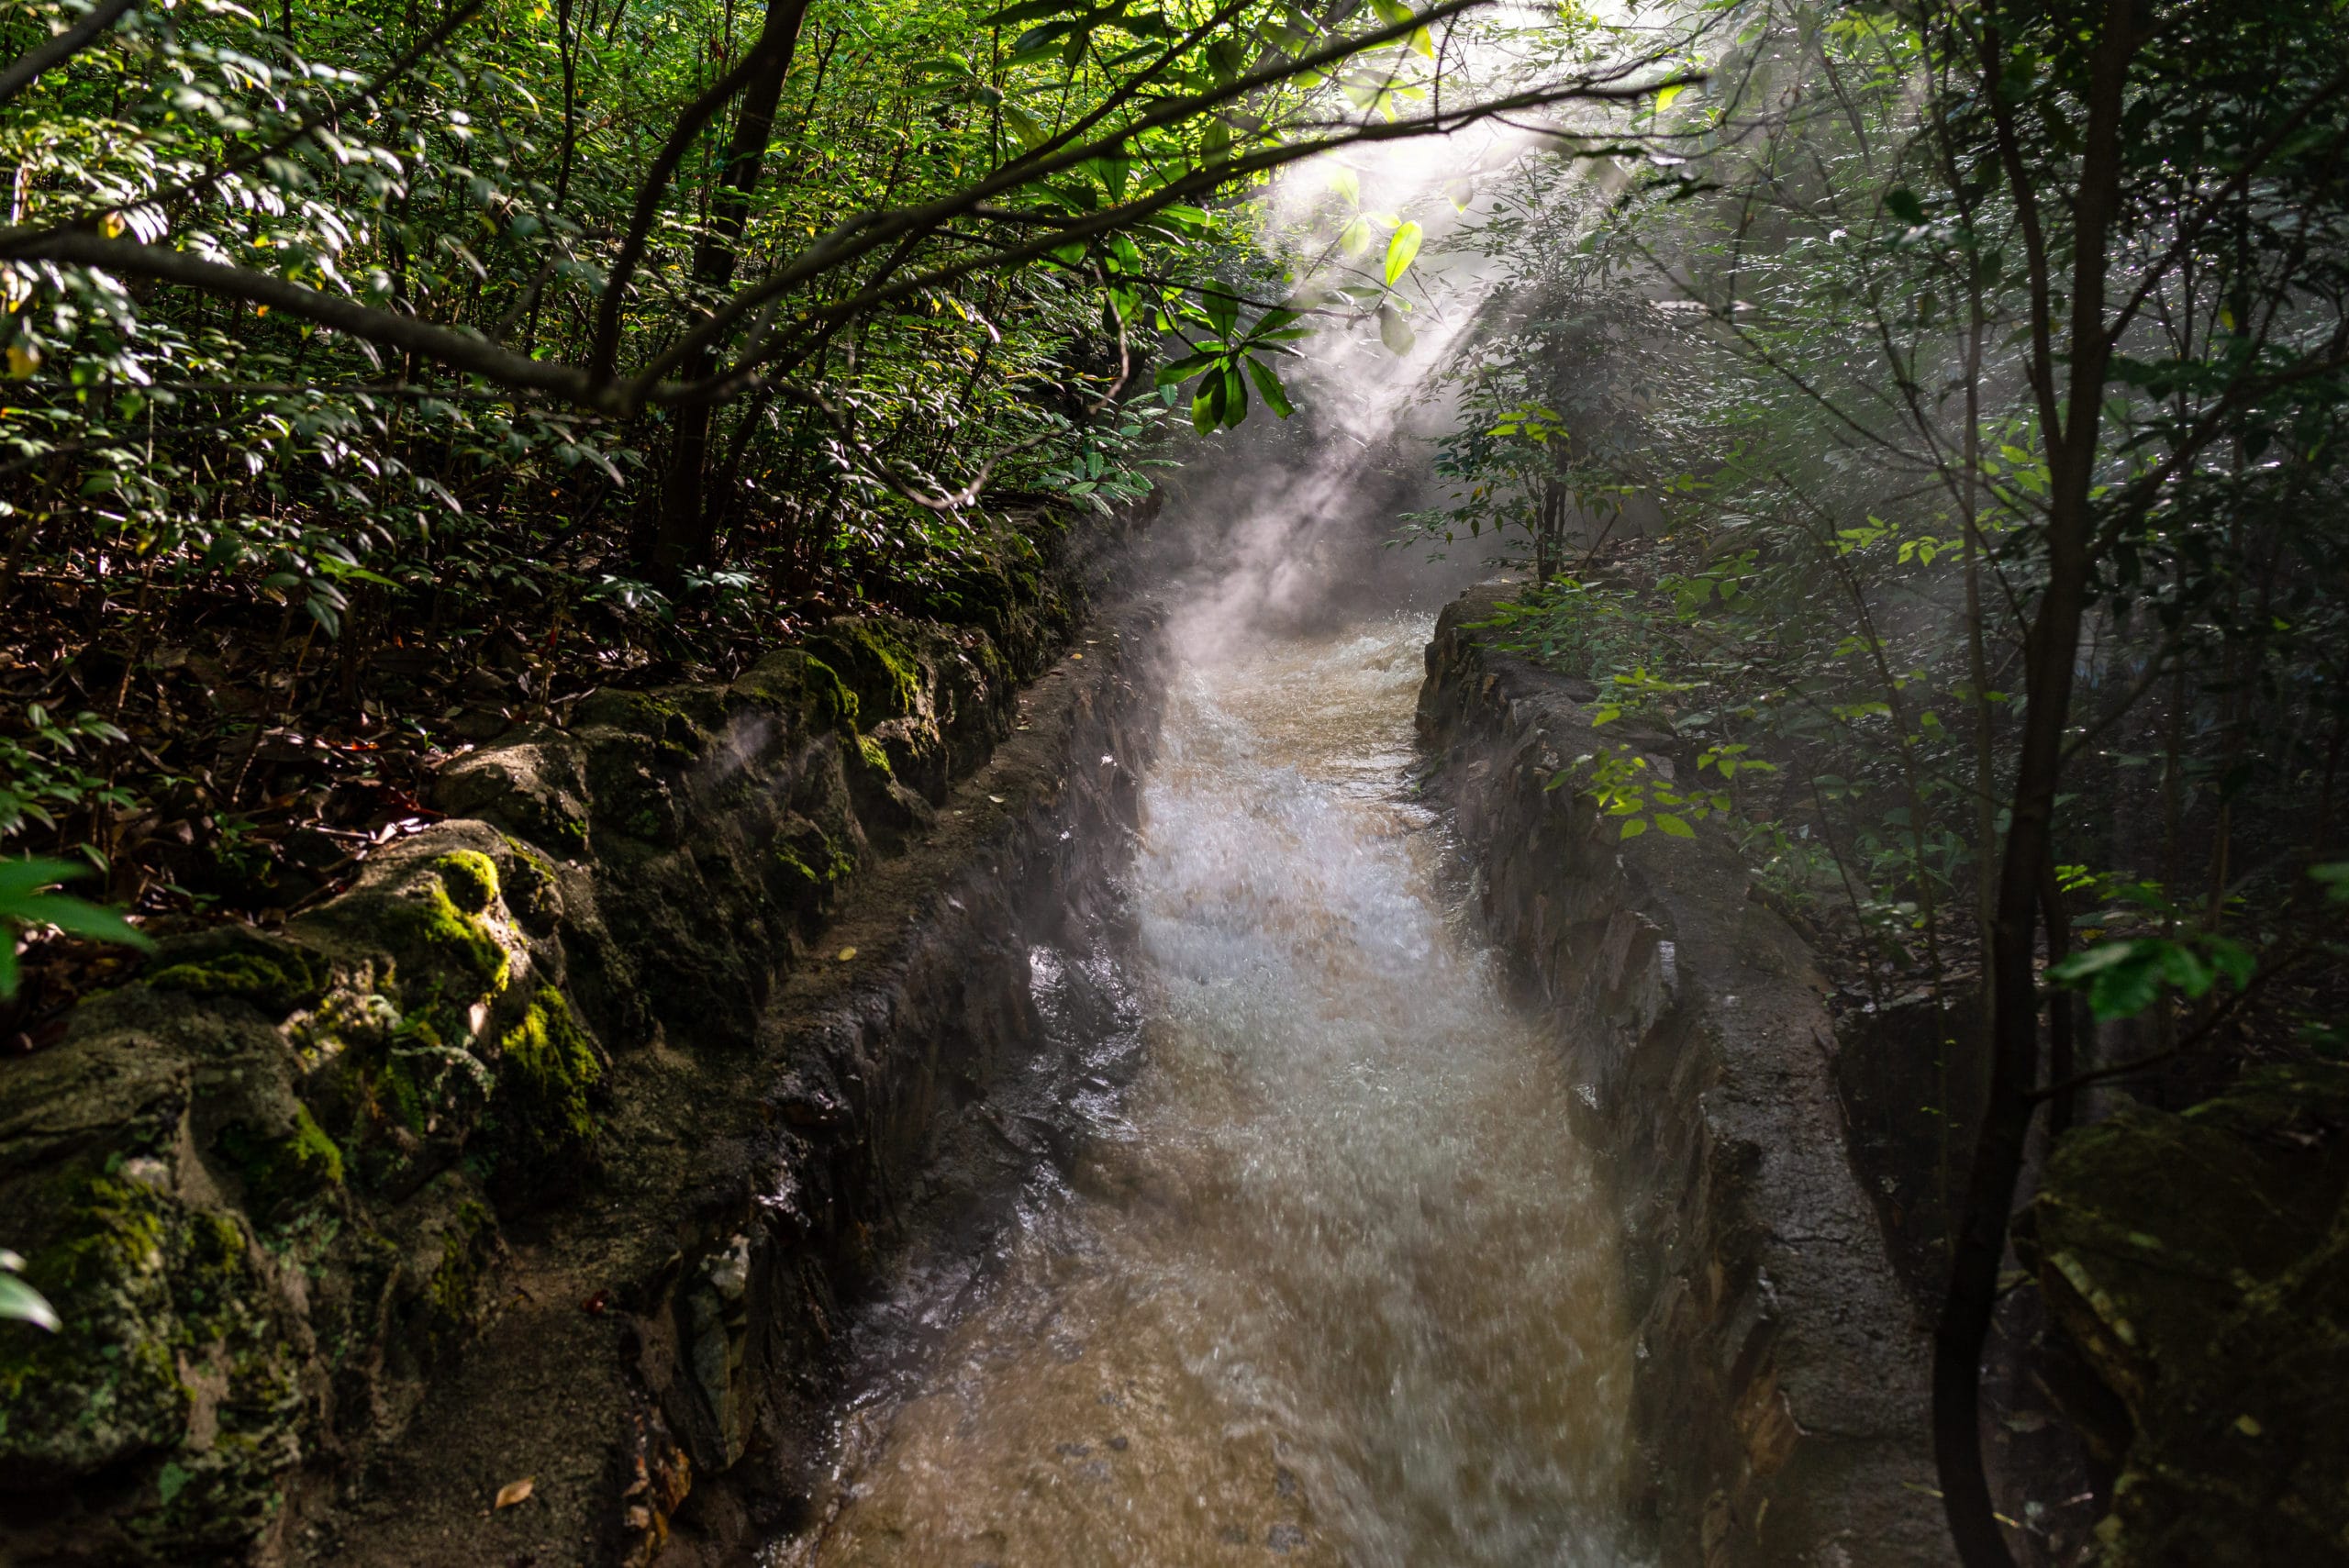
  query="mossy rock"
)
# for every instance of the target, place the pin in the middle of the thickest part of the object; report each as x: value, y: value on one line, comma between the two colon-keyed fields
x: 470, y: 878
x: 546, y: 1069
x: 657, y: 717
x: 277, y: 978
x: 796, y: 682
x: 281, y: 1168
x: 442, y: 920
x: 2200, y: 1263
x: 169, y: 1357
x: 876, y: 658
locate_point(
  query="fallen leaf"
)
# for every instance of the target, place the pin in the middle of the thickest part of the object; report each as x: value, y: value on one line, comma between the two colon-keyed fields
x: 847, y: 953
x: 514, y: 1492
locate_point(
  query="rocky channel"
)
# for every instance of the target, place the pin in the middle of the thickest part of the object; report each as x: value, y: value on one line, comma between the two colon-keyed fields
x: 1780, y: 1396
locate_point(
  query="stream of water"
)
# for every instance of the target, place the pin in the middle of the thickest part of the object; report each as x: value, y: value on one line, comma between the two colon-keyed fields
x: 1331, y: 1281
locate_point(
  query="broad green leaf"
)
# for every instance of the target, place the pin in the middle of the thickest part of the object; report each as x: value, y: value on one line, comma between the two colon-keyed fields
x: 1268, y: 385
x: 1404, y: 246
x: 1633, y: 827
x: 1674, y: 826
x: 1184, y: 367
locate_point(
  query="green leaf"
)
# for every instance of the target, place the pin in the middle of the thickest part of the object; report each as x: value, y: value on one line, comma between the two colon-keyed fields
x: 23, y: 899
x: 1634, y: 828
x: 1673, y: 826
x: 1394, y: 331
x: 1269, y: 386
x: 1404, y: 246
x: 1024, y: 128
x: 22, y: 1303
x: 1185, y: 368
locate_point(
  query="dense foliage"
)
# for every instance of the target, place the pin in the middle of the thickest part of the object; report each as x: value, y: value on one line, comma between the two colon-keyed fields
x: 378, y: 377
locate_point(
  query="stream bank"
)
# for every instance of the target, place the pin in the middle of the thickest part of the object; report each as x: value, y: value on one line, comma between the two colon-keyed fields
x: 1780, y: 1395
x: 550, y: 1152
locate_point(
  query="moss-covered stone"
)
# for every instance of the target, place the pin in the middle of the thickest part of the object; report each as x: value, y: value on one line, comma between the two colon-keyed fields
x: 869, y: 751
x: 471, y: 878
x: 283, y: 1168
x: 796, y: 682
x: 452, y: 1291
x: 169, y: 1352
x: 877, y: 660
x: 2201, y: 1262
x: 432, y: 921
x: 424, y: 1079
x: 275, y: 977
x: 547, y: 1070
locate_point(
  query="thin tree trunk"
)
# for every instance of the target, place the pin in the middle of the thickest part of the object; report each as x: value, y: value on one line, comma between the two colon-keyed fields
x: 684, y: 533
x: 2072, y: 436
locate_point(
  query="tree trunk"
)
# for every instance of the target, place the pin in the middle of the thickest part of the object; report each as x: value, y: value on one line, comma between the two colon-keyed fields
x: 682, y: 536
x: 2052, y: 649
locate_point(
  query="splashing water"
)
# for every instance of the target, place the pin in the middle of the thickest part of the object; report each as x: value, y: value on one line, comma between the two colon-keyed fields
x: 1336, y: 1284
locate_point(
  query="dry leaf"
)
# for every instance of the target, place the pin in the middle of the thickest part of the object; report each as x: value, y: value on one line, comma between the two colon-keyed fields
x: 514, y: 1492
x: 847, y: 953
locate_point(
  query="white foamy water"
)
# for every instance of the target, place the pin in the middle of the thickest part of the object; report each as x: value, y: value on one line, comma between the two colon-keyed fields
x: 1334, y: 1283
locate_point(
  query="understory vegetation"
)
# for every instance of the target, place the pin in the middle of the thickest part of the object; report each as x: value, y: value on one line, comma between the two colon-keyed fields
x: 378, y: 378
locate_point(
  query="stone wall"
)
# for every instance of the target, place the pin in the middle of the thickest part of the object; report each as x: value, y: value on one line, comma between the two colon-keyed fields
x: 1781, y: 1396
x: 551, y: 1150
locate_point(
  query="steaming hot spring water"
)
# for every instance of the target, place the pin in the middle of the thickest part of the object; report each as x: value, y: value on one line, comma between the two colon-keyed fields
x: 1329, y: 1280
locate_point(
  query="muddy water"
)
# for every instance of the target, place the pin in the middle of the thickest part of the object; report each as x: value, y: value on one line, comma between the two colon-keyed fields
x: 1331, y: 1282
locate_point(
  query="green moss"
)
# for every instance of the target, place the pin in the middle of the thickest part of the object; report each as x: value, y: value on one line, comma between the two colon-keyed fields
x: 537, y: 878
x: 471, y: 878
x: 283, y: 1168
x: 882, y: 670
x: 872, y: 753
x: 422, y: 1076
x: 138, y: 1280
x: 436, y: 924
x: 547, y: 1068
x: 276, y: 979
x: 454, y: 1285
x: 811, y: 857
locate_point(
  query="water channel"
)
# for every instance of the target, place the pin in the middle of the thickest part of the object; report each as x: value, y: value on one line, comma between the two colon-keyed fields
x: 1330, y: 1281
